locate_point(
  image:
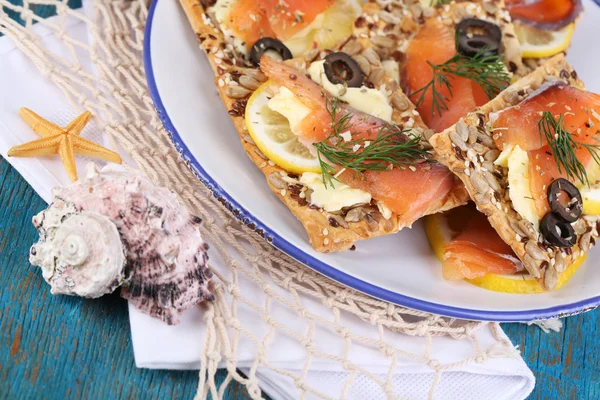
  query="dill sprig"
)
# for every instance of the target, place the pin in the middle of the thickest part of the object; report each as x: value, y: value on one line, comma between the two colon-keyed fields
x: 436, y: 3
x: 392, y: 147
x: 564, y: 147
x: 488, y: 71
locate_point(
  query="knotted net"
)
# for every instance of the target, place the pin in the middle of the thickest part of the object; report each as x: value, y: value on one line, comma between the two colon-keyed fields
x: 115, y: 92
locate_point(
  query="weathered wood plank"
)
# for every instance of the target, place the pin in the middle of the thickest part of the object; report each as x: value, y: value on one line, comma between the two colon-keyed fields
x: 60, y: 347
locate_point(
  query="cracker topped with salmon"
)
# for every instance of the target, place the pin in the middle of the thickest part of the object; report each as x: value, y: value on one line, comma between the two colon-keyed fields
x: 530, y: 160
x: 240, y: 31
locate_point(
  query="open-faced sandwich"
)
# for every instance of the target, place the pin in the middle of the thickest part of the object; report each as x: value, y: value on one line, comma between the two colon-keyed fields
x: 339, y: 107
x: 535, y: 174
x: 339, y: 142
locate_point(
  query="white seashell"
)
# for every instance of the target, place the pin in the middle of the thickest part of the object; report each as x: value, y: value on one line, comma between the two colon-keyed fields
x: 80, y: 252
x: 167, y: 259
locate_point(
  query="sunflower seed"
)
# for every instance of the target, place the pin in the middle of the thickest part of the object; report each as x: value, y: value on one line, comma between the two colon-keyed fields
x: 260, y: 154
x: 585, y: 243
x: 352, y: 47
x: 462, y: 130
x: 479, y: 148
x: 376, y: 76
x: 528, y: 229
x: 417, y: 10
x: 492, y: 181
x: 550, y: 278
x: 478, y: 182
x: 255, y: 74
x: 485, y: 140
x: 532, y: 266
x: 276, y: 181
x: 559, y: 262
x: 247, y: 138
x: 249, y: 82
x: 488, y: 166
x: 515, y: 226
x: 373, y: 224
x: 236, y: 91
x: 383, y: 41
x: 490, y: 8
x: 399, y: 101
x: 472, y: 134
x: 355, y: 214
x: 579, y: 227
x: 481, y: 199
x: 371, y: 56
x: 458, y: 141
x: 534, y: 251
x: 492, y: 155
x: 363, y: 63
x: 336, y: 221
x: 388, y: 17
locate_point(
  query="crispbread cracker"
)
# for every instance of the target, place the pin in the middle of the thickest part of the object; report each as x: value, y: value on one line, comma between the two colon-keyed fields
x: 492, y: 198
x: 390, y: 25
x: 327, y: 231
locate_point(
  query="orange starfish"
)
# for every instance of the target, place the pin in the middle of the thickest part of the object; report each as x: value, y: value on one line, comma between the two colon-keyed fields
x: 65, y: 142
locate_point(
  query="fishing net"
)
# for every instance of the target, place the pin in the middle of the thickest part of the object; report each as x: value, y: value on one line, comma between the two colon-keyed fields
x: 115, y: 91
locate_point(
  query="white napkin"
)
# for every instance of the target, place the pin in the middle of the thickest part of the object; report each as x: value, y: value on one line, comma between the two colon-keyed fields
x: 157, y: 345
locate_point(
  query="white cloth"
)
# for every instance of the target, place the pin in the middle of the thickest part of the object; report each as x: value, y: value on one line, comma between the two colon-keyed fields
x: 157, y: 345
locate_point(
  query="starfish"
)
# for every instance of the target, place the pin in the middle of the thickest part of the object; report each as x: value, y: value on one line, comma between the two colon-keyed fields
x: 65, y: 142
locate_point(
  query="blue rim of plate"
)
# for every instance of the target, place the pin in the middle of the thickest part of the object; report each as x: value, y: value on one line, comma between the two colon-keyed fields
x: 276, y: 240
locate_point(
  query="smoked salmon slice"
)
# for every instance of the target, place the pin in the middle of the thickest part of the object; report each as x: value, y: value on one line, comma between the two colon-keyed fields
x: 408, y: 192
x: 545, y: 14
x: 518, y: 125
x: 435, y: 43
x: 251, y: 20
x: 475, y: 248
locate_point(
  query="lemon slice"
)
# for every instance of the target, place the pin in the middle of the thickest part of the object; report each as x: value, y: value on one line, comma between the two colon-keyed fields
x: 438, y: 234
x: 327, y: 29
x: 537, y: 43
x: 272, y: 135
x: 591, y: 200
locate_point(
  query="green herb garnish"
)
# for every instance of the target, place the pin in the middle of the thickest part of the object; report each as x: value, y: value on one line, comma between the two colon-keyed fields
x: 436, y: 3
x: 392, y: 147
x: 488, y: 71
x: 564, y: 147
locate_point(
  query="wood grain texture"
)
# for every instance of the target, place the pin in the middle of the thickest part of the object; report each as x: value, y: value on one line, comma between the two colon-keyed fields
x: 60, y: 347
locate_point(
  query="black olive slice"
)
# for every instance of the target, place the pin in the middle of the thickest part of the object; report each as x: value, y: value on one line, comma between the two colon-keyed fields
x: 574, y: 208
x: 557, y: 232
x: 265, y: 44
x: 470, y: 41
x: 343, y: 69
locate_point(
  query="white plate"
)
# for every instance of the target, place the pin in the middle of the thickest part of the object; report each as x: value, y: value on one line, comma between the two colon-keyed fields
x: 399, y: 268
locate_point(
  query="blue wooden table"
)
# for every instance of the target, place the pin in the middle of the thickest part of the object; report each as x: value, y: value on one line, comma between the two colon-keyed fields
x: 60, y: 347
x: 69, y: 348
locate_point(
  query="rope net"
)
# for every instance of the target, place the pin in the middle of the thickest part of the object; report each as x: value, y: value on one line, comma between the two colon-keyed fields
x: 115, y: 91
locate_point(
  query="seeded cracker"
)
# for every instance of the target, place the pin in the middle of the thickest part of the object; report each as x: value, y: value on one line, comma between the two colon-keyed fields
x: 390, y: 25
x: 488, y: 186
x: 236, y: 82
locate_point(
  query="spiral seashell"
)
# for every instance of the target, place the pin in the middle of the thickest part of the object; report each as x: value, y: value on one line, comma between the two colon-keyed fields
x: 166, y: 260
x: 80, y: 252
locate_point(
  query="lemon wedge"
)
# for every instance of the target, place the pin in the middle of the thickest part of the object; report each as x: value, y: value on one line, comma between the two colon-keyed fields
x: 327, y: 29
x: 439, y: 233
x: 537, y: 43
x: 272, y: 135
